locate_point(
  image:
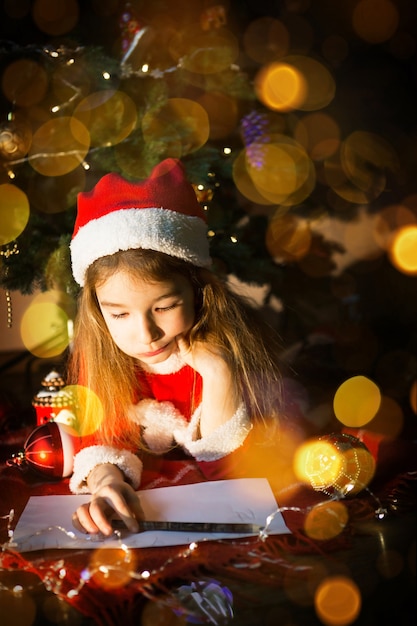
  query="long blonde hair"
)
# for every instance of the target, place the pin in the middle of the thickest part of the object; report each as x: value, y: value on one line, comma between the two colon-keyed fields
x: 222, y: 319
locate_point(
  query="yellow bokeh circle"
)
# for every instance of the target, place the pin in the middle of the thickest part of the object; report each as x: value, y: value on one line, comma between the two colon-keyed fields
x: 88, y: 409
x: 24, y: 82
x: 204, y: 53
x: 181, y: 126
x: 288, y: 237
x: 44, y: 329
x: 111, y: 569
x: 14, y: 212
x: 326, y: 520
x: 59, y: 146
x: 280, y: 87
x: 109, y: 115
x: 356, y: 402
x: 337, y: 601
x: 403, y: 250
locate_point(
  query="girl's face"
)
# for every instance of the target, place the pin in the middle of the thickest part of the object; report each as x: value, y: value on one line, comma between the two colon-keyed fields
x: 145, y: 318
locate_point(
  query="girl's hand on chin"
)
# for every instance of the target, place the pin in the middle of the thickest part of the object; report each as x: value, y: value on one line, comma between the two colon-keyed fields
x: 200, y: 356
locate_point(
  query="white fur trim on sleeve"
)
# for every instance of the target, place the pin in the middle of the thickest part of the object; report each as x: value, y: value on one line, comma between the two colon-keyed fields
x: 88, y: 458
x: 222, y: 441
x: 159, y: 420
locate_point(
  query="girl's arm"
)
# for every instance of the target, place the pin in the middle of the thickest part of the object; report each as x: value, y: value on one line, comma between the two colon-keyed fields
x: 219, y: 402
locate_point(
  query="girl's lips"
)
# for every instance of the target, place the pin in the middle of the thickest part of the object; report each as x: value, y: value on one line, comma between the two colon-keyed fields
x: 154, y: 353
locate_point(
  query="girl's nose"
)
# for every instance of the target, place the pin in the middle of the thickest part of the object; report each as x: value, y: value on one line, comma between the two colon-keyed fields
x: 147, y: 330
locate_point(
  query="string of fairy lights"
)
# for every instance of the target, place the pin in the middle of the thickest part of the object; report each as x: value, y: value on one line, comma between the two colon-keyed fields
x: 118, y: 567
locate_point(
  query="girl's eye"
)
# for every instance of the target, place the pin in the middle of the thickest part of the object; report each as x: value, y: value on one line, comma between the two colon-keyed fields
x: 118, y: 316
x: 166, y: 308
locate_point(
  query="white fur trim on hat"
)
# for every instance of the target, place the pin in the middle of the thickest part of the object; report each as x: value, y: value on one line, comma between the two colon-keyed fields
x: 163, y: 230
x: 159, y: 420
x: 222, y: 441
x: 88, y: 458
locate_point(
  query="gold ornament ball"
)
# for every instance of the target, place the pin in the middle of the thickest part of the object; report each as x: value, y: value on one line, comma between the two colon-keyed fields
x: 15, y: 140
x: 336, y: 462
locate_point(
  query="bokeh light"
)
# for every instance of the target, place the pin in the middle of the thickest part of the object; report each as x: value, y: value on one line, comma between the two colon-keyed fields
x: 365, y: 158
x: 288, y: 237
x: 375, y: 21
x: 274, y: 459
x: 44, y: 329
x: 326, y: 520
x: 14, y: 212
x: 266, y: 39
x: 283, y: 173
x: 320, y: 86
x: 24, y: 82
x: 338, y: 179
x: 109, y: 115
x: 59, y: 146
x: 15, y: 138
x: 55, y: 18
x: 204, y: 53
x: 403, y: 250
x: 86, y: 402
x: 281, y: 87
x: 179, y: 127
x: 243, y: 180
x: 356, y: 401
x: 337, y: 601
x: 334, y: 462
x: 277, y: 177
x: 111, y: 569
x: 319, y: 134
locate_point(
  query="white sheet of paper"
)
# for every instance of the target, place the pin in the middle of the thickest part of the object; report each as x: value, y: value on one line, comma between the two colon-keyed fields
x: 46, y: 520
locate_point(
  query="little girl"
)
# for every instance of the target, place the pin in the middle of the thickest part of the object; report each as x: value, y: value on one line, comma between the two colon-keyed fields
x: 171, y: 353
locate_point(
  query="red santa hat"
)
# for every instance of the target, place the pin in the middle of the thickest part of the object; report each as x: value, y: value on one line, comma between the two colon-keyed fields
x: 160, y: 213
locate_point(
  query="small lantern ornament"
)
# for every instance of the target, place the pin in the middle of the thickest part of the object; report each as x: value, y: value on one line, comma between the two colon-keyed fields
x: 54, y: 402
x: 49, y: 450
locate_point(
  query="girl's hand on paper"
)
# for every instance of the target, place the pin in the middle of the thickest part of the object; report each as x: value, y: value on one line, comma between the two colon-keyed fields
x: 112, y: 498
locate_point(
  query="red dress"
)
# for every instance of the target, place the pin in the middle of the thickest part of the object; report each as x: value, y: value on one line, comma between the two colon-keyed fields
x: 169, y: 417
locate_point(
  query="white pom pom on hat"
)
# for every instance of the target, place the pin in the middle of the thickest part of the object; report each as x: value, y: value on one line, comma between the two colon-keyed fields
x: 160, y: 213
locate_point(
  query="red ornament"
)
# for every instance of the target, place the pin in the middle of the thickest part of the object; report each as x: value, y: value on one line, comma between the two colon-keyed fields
x: 50, y: 450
